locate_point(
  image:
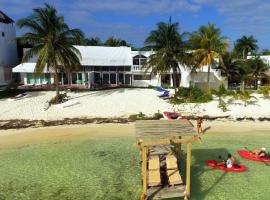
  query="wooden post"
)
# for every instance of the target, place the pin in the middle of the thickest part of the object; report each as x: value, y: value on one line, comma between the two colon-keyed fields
x: 144, y: 170
x: 179, y: 153
x: 188, y: 170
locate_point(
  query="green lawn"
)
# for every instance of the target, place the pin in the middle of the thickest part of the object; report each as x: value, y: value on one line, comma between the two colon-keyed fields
x: 109, y: 169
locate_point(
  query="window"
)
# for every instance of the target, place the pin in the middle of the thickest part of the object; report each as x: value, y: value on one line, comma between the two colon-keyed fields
x: 106, y: 79
x: 142, y: 77
x: 121, y: 78
x: 3, y: 34
x: 113, y: 78
x: 139, y: 60
x: 127, y: 79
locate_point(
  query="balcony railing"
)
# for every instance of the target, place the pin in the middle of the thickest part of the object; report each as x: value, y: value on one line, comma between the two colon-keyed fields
x: 138, y: 68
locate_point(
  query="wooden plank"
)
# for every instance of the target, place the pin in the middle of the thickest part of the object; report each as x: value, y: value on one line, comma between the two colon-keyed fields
x: 170, y: 141
x: 144, y: 169
x: 166, y: 192
x: 159, y: 129
x: 187, y: 192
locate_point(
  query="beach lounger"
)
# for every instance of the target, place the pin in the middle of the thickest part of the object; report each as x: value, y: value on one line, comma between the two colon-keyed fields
x: 161, y: 89
x: 154, y: 171
x: 19, y: 96
x: 174, y: 177
x: 165, y: 94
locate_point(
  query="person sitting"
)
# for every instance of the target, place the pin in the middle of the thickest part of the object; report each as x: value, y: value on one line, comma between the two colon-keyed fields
x: 260, y: 153
x: 229, y: 163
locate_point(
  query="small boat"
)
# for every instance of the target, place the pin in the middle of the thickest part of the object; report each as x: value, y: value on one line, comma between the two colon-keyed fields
x: 235, y: 168
x: 250, y: 156
x: 172, y: 115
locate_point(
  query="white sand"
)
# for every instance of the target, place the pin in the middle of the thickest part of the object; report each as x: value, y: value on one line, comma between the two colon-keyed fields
x: 120, y: 103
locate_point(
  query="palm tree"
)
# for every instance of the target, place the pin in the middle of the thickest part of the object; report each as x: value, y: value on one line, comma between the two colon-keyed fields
x: 52, y: 42
x: 208, y: 46
x: 264, y: 91
x: 115, y: 42
x: 244, y: 73
x: 246, y: 96
x: 228, y: 66
x: 258, y: 69
x: 246, y: 44
x: 220, y: 93
x: 169, y: 49
x: 93, y: 41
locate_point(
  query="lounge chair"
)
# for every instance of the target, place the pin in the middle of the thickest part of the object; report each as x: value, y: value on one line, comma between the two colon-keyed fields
x: 154, y: 171
x: 165, y: 94
x: 161, y: 89
x: 174, y: 177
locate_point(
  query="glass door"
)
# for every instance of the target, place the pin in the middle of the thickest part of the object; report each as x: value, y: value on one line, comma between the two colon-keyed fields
x: 113, y: 78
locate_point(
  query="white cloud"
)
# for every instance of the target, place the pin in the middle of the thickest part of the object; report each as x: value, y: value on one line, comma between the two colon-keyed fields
x: 139, y: 7
x: 246, y: 17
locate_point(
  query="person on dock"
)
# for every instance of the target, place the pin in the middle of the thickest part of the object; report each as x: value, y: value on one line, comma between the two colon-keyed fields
x: 199, y: 125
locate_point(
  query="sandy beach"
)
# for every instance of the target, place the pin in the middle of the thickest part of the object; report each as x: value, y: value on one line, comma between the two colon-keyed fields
x: 121, y: 103
x: 28, y: 136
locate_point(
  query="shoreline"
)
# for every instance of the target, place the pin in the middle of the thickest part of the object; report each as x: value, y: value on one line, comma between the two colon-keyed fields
x: 14, y: 138
x: 23, y: 123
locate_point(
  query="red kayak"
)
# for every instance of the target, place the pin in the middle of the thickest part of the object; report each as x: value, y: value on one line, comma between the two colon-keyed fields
x: 235, y: 168
x: 250, y: 156
x: 172, y: 115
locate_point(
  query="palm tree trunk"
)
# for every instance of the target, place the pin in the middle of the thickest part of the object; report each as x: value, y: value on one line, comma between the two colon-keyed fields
x: 208, y: 77
x: 242, y: 86
x: 174, y: 81
x: 244, y: 54
x: 56, y: 82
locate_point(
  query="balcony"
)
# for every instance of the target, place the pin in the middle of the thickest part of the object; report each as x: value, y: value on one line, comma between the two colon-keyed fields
x: 138, y: 68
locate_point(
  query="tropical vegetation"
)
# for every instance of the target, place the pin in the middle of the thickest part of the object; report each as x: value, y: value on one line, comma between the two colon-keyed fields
x: 52, y: 42
x: 208, y: 45
x: 169, y: 47
x: 191, y: 95
x: 245, y: 45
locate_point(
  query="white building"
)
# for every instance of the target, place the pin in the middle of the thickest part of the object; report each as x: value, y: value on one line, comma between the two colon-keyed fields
x: 8, y: 48
x: 114, y: 66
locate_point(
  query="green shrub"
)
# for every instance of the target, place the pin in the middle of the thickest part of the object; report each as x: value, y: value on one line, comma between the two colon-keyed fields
x: 223, y: 106
x: 135, y: 117
x: 264, y: 90
x: 151, y: 86
x: 157, y: 115
x: 59, y: 99
x: 192, y: 95
x: 165, y: 86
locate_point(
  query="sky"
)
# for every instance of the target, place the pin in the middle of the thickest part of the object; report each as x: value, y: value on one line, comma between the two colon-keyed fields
x: 132, y: 20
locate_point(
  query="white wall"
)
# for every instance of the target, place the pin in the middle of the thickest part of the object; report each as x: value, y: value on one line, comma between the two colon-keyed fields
x: 8, y: 50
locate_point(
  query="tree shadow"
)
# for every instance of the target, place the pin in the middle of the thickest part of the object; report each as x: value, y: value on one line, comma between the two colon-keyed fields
x: 105, y: 92
x: 253, y: 102
x: 206, y: 129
